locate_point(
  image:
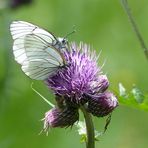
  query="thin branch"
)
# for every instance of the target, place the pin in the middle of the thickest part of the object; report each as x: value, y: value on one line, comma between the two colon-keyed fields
x: 134, y: 26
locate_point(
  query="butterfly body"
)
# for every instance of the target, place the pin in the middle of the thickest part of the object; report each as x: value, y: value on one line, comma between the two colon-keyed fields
x: 60, y: 43
x: 39, y: 52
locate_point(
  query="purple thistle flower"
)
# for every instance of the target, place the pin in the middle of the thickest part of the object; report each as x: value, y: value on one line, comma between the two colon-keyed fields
x: 80, y: 82
x: 103, y: 104
x: 81, y: 76
x: 57, y: 117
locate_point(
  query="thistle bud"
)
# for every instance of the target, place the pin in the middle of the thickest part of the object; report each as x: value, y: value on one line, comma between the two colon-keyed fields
x: 57, y: 117
x: 103, y: 104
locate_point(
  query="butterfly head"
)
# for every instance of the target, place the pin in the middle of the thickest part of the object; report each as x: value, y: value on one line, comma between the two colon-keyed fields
x: 63, y: 42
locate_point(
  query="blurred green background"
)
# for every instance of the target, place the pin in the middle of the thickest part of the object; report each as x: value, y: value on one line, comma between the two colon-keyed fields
x: 100, y: 23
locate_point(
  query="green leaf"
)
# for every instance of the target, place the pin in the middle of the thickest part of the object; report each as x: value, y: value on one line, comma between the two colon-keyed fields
x: 122, y: 90
x: 82, y: 132
x: 134, y: 98
x: 83, y: 138
x: 139, y: 97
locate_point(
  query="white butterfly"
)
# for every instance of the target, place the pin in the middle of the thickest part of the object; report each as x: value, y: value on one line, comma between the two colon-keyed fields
x: 38, y: 51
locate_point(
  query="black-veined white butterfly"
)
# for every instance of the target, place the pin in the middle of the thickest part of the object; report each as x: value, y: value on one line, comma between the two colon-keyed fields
x: 36, y: 50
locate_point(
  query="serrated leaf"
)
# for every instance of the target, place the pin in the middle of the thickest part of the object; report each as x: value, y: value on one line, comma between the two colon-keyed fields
x: 122, y: 90
x: 82, y: 131
x: 81, y: 127
x: 134, y: 98
x: 139, y: 97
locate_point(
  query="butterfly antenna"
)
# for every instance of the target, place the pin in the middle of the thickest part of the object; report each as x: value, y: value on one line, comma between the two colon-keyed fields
x: 74, y: 30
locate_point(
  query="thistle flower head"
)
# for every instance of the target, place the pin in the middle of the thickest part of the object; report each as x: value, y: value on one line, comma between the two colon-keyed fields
x: 81, y: 76
x: 80, y: 82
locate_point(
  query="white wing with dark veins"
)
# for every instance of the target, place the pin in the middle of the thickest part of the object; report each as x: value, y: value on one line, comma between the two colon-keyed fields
x: 21, y: 28
x: 32, y: 50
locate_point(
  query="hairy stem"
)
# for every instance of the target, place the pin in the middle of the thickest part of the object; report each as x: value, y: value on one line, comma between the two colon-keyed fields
x: 90, y: 143
x: 134, y: 26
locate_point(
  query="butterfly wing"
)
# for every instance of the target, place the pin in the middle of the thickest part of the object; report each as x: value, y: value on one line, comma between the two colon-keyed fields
x: 33, y: 51
x: 21, y: 28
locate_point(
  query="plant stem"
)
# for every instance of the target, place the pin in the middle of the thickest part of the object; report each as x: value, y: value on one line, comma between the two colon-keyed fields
x: 90, y: 143
x: 134, y: 26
